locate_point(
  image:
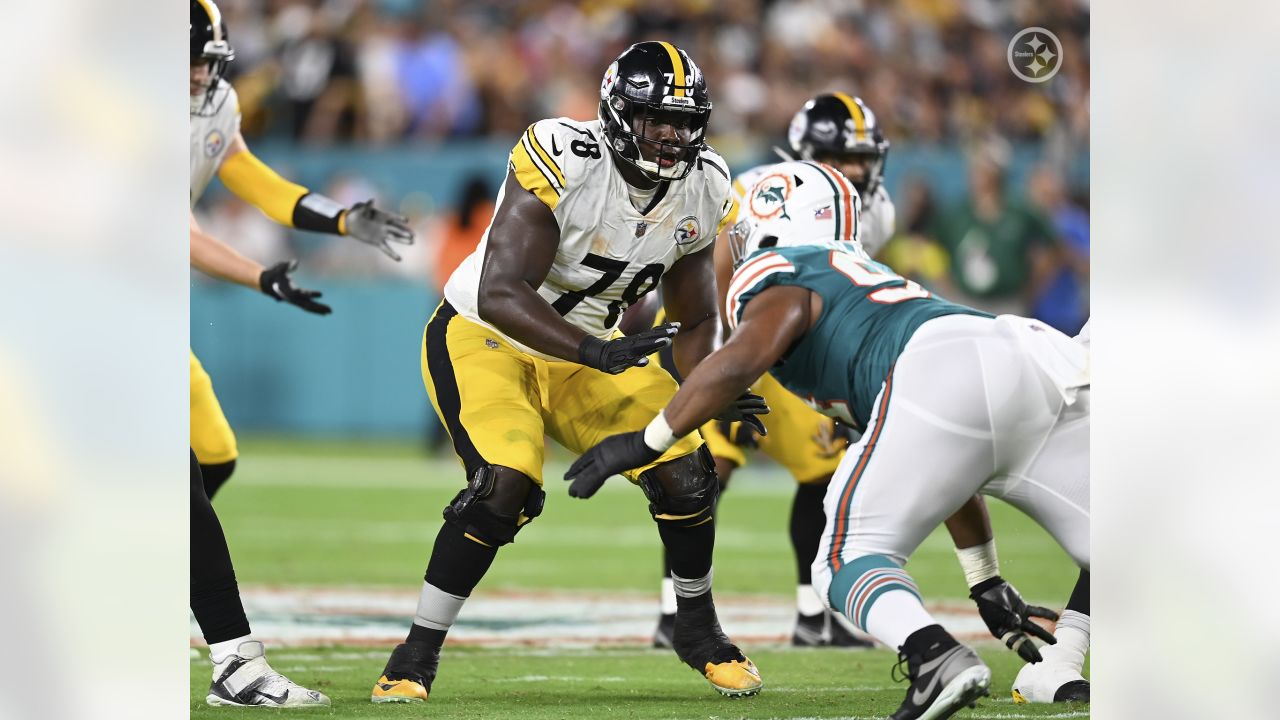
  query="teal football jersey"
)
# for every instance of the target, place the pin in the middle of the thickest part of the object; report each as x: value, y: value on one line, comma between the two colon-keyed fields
x: 868, y: 315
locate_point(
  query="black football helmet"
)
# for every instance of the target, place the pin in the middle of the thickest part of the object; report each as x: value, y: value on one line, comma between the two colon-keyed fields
x: 837, y: 126
x: 209, y: 42
x: 654, y: 79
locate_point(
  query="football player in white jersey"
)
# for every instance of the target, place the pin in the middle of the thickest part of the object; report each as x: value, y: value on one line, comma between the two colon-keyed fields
x: 241, y: 675
x: 525, y: 344
x: 217, y: 148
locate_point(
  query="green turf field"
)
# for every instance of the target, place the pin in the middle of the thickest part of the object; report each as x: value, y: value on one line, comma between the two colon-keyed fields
x: 344, y: 514
x: 805, y: 683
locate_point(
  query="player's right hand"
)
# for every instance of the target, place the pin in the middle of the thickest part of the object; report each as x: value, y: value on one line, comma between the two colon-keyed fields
x: 745, y: 410
x: 1008, y: 617
x: 276, y: 283
x: 614, y: 356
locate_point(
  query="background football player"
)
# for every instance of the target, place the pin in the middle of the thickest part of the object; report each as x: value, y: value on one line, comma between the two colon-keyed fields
x: 241, y: 675
x: 914, y: 371
x: 525, y: 344
x: 217, y: 148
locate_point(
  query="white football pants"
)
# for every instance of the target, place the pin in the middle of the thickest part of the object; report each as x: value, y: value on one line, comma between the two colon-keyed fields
x: 973, y: 405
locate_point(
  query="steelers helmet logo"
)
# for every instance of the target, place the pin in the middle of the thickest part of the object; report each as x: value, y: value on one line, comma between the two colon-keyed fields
x: 769, y: 197
x: 213, y: 143
x: 687, y: 230
x: 610, y: 77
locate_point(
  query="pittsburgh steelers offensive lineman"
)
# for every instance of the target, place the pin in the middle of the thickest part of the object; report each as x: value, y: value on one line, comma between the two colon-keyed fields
x: 217, y: 148
x: 842, y: 131
x: 591, y: 216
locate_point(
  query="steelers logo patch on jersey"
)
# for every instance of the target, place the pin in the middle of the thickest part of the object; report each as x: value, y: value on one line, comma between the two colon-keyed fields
x: 769, y: 197
x: 213, y: 143
x: 687, y: 230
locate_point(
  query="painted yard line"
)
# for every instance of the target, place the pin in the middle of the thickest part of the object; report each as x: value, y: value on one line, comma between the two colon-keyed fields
x: 318, y: 616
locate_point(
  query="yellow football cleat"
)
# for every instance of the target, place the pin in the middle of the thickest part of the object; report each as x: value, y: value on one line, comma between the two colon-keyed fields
x: 398, y: 691
x: 734, y: 678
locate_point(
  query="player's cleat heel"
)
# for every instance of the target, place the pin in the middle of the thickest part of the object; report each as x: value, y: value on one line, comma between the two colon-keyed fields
x: 700, y: 643
x: 1074, y: 691
x: 408, y: 675
x: 944, y: 681
x: 666, y: 628
x: 246, y: 680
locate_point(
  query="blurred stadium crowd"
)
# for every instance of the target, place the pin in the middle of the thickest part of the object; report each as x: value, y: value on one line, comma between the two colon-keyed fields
x: 418, y: 74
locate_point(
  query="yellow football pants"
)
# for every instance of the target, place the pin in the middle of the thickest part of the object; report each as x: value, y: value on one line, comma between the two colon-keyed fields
x: 498, y: 403
x: 211, y: 435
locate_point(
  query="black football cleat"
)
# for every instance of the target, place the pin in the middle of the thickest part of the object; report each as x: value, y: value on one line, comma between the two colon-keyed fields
x: 408, y: 675
x: 703, y: 646
x: 945, y: 679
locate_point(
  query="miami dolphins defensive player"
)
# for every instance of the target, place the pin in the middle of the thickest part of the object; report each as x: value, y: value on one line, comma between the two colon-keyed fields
x: 952, y: 402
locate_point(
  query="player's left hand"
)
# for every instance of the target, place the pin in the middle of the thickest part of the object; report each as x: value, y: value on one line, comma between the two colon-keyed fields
x: 376, y: 227
x: 608, y: 457
x: 745, y: 410
x: 1008, y: 617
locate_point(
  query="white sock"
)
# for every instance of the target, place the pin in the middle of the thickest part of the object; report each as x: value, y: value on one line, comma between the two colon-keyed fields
x: 807, y: 601
x: 895, y: 615
x: 220, y: 651
x: 668, y: 596
x: 1073, y: 640
x: 437, y: 609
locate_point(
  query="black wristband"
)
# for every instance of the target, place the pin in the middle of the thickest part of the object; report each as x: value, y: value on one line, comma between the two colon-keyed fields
x: 986, y: 585
x: 591, y: 352
x: 317, y: 213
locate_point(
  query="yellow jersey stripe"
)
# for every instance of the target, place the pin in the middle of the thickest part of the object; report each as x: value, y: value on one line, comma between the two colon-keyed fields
x: 533, y: 178
x: 546, y: 157
x: 730, y: 216
x: 678, y: 66
x: 855, y: 112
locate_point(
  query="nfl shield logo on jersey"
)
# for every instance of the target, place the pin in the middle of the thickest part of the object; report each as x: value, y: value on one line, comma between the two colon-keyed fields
x: 687, y: 230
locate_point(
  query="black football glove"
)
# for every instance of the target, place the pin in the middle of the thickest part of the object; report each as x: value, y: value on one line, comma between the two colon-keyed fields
x: 1008, y: 617
x: 745, y: 410
x: 614, y: 356
x: 275, y: 282
x: 375, y: 227
x: 606, y: 458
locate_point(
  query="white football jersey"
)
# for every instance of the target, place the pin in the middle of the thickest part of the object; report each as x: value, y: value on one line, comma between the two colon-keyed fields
x: 610, y: 253
x: 875, y: 221
x: 213, y: 125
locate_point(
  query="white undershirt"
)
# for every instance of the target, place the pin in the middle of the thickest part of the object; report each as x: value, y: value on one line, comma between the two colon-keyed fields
x: 640, y: 199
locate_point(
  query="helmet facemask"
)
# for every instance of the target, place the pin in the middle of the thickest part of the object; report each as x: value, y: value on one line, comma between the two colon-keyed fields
x: 635, y: 137
x: 209, y: 46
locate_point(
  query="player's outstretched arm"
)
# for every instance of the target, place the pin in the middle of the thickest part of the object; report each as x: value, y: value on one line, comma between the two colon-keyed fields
x: 1002, y: 608
x: 214, y: 257
x: 293, y: 205
x: 771, y: 323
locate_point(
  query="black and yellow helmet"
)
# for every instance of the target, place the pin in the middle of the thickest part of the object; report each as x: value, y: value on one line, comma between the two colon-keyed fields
x: 649, y: 78
x: 838, y: 126
x: 209, y: 41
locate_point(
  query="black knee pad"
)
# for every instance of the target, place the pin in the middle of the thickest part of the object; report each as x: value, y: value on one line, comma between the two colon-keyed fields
x: 684, y: 489
x: 495, y: 504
